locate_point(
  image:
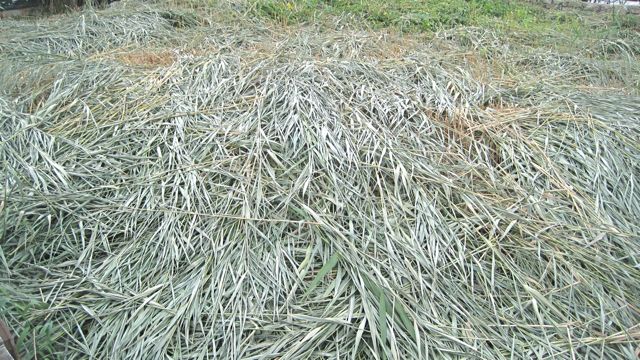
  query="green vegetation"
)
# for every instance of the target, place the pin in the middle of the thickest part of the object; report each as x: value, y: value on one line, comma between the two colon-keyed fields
x: 36, y: 338
x: 431, y: 15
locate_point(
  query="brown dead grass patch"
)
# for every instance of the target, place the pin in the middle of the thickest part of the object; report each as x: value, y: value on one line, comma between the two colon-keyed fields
x: 146, y: 58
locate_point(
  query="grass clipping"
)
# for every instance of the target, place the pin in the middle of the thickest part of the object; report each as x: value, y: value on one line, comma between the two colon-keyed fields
x: 234, y: 204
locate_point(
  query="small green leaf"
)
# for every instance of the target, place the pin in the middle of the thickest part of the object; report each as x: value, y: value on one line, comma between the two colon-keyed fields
x: 404, y: 317
x: 328, y: 266
x: 382, y: 317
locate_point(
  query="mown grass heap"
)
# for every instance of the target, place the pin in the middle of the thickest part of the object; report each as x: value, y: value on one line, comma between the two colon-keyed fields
x: 177, y: 188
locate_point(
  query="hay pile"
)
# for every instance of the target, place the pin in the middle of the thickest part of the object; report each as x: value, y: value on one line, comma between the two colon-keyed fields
x: 257, y: 194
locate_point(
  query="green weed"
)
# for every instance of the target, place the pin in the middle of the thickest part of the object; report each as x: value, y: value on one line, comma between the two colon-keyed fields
x: 429, y: 15
x: 34, y: 336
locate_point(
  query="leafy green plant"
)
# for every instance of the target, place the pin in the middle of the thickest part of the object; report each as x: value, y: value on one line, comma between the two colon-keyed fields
x: 35, y: 336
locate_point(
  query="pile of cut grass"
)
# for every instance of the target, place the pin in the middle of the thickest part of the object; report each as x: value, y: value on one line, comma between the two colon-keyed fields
x: 240, y: 190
